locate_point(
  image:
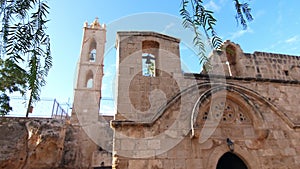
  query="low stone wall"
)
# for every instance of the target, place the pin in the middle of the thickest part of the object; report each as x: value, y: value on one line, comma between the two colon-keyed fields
x: 31, y: 143
x: 43, y: 143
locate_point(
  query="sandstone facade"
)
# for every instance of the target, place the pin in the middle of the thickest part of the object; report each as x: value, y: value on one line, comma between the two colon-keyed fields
x: 189, y: 120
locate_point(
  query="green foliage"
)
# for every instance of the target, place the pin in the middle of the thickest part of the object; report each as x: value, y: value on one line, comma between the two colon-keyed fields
x: 13, y: 79
x: 151, y: 69
x: 199, y: 19
x: 4, y: 106
x: 25, y: 46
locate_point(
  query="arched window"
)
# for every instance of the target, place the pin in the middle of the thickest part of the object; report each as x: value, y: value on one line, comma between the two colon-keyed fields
x: 149, y: 57
x: 89, y: 79
x: 231, y: 60
x: 231, y: 54
x: 231, y: 161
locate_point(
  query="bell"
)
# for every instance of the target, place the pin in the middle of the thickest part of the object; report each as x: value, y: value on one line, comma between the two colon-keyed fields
x: 92, y: 56
x: 148, y: 61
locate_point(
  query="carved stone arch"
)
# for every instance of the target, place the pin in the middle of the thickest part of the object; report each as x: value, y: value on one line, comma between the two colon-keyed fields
x: 239, y: 100
x: 89, y: 79
x: 232, y: 51
x: 246, y: 94
x: 248, y: 158
x: 244, y: 101
x: 232, y: 54
x: 226, y: 92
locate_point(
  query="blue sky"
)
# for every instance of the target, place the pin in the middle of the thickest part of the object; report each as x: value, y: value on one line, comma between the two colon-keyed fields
x: 275, y: 28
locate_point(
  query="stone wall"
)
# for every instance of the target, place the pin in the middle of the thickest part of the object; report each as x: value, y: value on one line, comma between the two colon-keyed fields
x: 82, y: 152
x: 38, y: 143
x: 259, y: 117
x: 31, y: 143
x: 272, y: 65
x: 257, y: 65
x: 248, y: 101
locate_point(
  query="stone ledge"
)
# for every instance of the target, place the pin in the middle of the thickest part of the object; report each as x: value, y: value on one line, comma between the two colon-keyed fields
x: 121, y: 123
x: 216, y: 77
x: 148, y: 33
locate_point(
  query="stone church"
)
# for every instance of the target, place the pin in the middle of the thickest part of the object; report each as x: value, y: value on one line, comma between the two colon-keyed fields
x: 242, y: 112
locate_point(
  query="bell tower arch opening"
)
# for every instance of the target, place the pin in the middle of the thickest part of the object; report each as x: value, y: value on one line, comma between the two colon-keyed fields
x: 89, y: 79
x: 231, y: 54
x: 231, y: 161
x: 231, y: 59
x: 93, y: 51
x: 150, y: 51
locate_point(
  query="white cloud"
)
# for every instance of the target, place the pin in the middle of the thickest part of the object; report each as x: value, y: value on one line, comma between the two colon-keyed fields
x: 211, y: 5
x: 292, y: 39
x: 240, y: 33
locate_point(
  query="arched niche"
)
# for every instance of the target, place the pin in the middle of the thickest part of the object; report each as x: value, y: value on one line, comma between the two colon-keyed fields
x: 89, y: 82
x: 231, y: 54
x: 249, y: 160
x: 150, y: 52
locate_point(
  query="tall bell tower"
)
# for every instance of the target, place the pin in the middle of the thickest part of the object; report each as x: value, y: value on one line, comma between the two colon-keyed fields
x: 87, y: 87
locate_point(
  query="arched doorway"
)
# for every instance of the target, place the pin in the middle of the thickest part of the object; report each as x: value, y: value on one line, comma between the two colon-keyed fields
x: 231, y: 161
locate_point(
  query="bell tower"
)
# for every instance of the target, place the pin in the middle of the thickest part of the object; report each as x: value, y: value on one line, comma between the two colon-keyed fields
x: 148, y: 64
x: 87, y: 87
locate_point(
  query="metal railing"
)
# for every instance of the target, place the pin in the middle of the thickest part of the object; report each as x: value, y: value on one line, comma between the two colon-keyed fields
x: 45, y: 108
x: 58, y: 112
